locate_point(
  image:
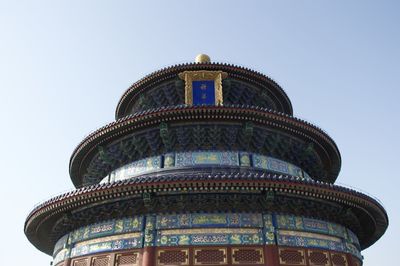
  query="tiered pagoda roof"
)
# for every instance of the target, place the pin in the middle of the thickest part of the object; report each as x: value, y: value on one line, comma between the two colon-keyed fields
x: 164, y: 156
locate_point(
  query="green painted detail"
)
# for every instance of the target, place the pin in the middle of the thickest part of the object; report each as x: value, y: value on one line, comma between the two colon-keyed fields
x: 150, y: 231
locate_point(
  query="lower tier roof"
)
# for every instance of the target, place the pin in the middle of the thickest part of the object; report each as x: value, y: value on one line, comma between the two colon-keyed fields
x: 206, y: 190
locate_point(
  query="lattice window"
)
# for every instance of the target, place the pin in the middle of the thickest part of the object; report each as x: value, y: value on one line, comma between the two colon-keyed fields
x: 318, y: 258
x: 210, y: 256
x: 173, y: 257
x: 338, y: 259
x: 128, y: 259
x: 249, y: 256
x: 101, y: 261
x: 81, y: 262
x: 291, y: 257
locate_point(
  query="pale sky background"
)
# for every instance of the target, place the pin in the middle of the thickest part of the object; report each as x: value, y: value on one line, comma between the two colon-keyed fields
x: 64, y: 65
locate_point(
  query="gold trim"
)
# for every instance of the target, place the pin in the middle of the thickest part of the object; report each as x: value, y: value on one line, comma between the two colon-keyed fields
x: 190, y: 76
x: 224, y: 250
x: 261, y: 261
x: 186, y: 251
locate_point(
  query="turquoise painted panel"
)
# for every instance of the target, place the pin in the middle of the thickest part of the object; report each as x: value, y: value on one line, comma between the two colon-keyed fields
x: 272, y: 164
x: 134, y: 242
x: 289, y: 222
x: 269, y: 163
x: 206, y: 158
x: 209, y: 220
x: 133, y: 224
x: 310, y: 242
x: 204, y: 238
x: 315, y: 225
x: 309, y: 225
x: 337, y: 230
x: 136, y: 168
x: 79, y: 235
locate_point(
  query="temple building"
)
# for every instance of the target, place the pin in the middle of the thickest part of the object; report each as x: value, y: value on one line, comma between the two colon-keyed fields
x: 205, y: 164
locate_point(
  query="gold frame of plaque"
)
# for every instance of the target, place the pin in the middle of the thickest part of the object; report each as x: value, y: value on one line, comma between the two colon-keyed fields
x: 190, y: 76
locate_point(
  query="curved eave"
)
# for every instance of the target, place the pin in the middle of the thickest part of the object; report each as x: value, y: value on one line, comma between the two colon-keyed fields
x: 257, y: 115
x: 46, y: 215
x: 171, y: 72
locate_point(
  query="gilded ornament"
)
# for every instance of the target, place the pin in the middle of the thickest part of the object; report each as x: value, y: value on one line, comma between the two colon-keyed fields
x: 203, y: 75
x: 202, y: 58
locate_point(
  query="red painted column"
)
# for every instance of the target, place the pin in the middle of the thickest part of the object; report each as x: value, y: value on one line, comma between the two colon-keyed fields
x: 149, y: 256
x: 271, y: 255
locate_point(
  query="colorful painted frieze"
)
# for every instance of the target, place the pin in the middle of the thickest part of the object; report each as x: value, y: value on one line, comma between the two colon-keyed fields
x: 206, y: 158
x: 337, y: 230
x: 120, y: 242
x: 218, y: 158
x: 206, y: 229
x: 310, y: 240
x: 136, y: 168
x: 198, y: 220
x: 210, y: 236
x: 309, y: 225
x: 275, y: 165
x: 132, y: 224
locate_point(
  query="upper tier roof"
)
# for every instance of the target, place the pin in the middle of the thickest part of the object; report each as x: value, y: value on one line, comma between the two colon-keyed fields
x: 268, y: 126
x: 258, y: 87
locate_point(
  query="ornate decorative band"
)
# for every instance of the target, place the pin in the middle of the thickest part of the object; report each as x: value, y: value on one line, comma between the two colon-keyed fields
x: 206, y: 229
x: 202, y: 158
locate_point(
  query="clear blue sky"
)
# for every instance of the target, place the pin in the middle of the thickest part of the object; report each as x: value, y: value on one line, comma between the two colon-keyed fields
x: 64, y: 65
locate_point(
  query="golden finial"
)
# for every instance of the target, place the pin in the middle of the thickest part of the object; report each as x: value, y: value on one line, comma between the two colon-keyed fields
x: 202, y: 58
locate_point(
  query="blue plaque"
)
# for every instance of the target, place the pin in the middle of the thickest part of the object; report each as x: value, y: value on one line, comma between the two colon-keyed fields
x: 203, y: 92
